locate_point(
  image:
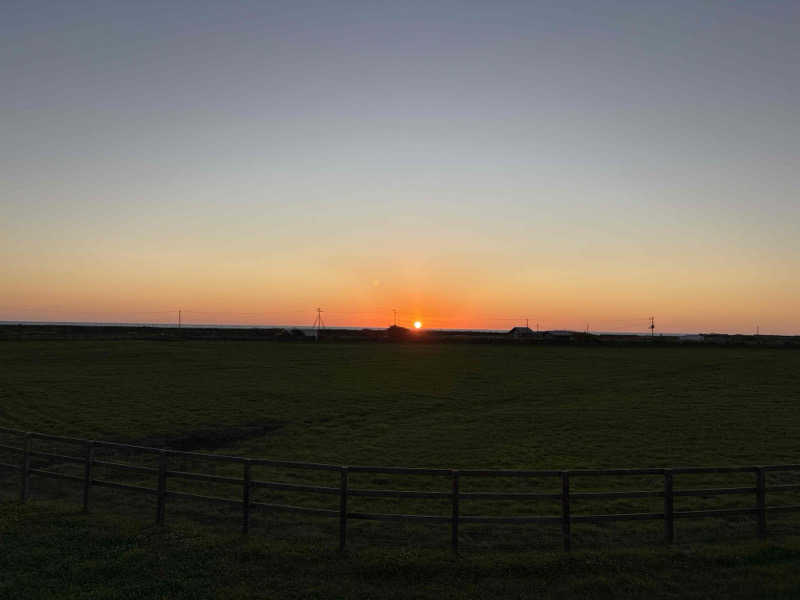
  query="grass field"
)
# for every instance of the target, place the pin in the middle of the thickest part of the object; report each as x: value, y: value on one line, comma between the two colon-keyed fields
x: 455, y: 406
x: 413, y: 405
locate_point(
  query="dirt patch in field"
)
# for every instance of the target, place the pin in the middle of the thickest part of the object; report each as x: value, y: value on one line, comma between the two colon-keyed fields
x: 210, y: 439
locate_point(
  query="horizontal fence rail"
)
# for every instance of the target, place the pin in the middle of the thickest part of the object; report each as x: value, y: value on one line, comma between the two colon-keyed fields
x: 85, y: 453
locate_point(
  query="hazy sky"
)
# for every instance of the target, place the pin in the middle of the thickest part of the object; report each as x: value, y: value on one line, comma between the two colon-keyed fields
x: 463, y: 162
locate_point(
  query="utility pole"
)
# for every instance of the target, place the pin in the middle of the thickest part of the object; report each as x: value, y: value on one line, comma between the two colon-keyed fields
x: 318, y: 324
x: 526, y: 323
x: 394, y: 310
x: 179, y: 318
x: 652, y: 326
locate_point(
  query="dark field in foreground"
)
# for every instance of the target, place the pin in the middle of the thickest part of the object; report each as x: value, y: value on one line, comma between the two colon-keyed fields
x: 50, y: 552
x: 414, y: 405
x: 409, y: 405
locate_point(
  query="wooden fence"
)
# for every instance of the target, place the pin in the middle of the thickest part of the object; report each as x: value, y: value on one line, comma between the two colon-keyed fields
x: 89, y: 461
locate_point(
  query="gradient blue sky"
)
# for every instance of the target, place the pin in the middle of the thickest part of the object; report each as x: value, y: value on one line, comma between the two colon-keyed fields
x: 461, y: 161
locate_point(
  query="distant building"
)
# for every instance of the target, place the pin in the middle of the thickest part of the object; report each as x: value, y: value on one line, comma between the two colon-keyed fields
x: 560, y: 333
x: 521, y: 332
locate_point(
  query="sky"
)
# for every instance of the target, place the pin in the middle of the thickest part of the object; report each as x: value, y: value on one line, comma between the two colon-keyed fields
x: 470, y: 164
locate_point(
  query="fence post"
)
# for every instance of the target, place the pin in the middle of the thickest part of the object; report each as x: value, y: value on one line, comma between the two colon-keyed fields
x: 761, y: 501
x: 25, y: 475
x: 565, y: 516
x: 669, y: 507
x: 246, y: 497
x: 454, y: 523
x: 162, y: 487
x: 87, y: 474
x: 343, y: 509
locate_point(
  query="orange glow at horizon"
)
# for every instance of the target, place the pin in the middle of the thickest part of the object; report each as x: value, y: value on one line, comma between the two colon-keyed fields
x: 490, y: 289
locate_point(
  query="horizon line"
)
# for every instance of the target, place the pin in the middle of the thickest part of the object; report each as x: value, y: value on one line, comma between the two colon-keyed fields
x: 173, y: 325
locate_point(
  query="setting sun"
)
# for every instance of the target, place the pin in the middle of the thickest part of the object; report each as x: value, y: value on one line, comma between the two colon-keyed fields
x: 417, y: 324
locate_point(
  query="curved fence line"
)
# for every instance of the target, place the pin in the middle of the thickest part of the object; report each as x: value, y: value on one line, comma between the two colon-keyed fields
x: 89, y: 460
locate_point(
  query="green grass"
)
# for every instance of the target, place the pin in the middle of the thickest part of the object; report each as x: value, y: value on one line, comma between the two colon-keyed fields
x: 50, y: 552
x: 438, y: 405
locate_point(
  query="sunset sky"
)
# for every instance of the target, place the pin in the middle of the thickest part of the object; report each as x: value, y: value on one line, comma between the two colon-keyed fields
x: 467, y: 163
